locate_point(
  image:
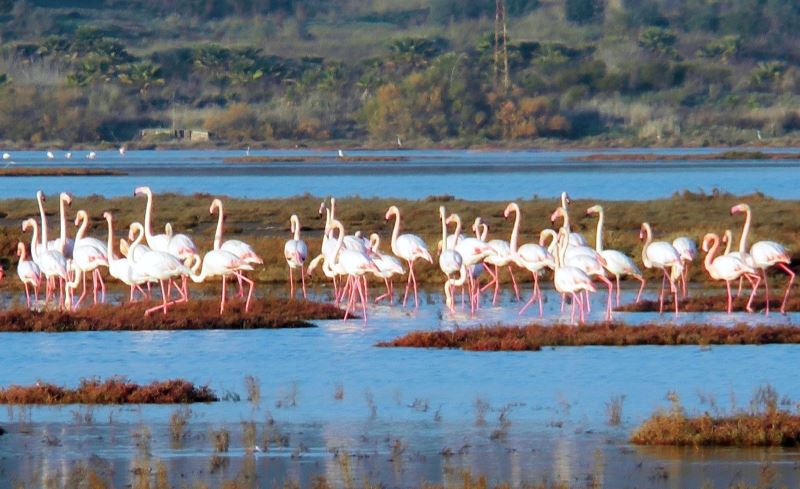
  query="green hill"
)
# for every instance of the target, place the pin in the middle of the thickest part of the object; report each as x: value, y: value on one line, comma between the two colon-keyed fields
x: 285, y: 72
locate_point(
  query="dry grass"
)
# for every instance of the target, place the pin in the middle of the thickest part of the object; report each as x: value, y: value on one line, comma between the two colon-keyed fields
x: 196, y: 314
x: 116, y: 390
x: 534, y: 337
x: 724, y: 155
x: 711, y: 303
x: 764, y: 424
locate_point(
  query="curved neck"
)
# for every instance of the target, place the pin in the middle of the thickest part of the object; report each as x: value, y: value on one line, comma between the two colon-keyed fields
x: 375, y: 242
x: 136, y: 242
x: 196, y: 274
x: 220, y: 218
x: 444, y: 229
x: 712, y: 251
x: 549, y: 233
x: 515, y: 230
x: 562, y: 242
x: 457, y: 233
x: 333, y: 209
x: 110, y: 241
x: 728, y: 241
x: 43, y: 219
x: 565, y: 215
x: 296, y: 227
x: 21, y: 250
x: 147, y: 213
x: 82, y: 228
x: 598, y: 243
x: 484, y: 232
x: 396, y: 231
x: 339, y: 239
x: 62, y: 210
x: 648, y: 238
x: 745, y: 231
x: 35, y: 241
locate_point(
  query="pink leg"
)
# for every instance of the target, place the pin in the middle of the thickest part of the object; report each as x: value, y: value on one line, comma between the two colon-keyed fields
x: 513, y: 281
x: 414, y: 280
x: 563, y: 300
x: 27, y: 295
x: 303, y: 277
x: 730, y: 299
x: 766, y: 290
x: 351, y: 300
x: 408, y: 282
x: 788, y: 286
x: 291, y: 283
x: 618, y: 290
x: 241, y: 287
x: 661, y: 296
x: 754, y: 281
x: 130, y: 298
x: 610, y: 295
x: 222, y: 299
x: 572, y: 308
x: 533, y: 296
x: 363, y: 295
x: 102, y: 287
x: 641, y: 288
x: 163, y: 306
x: 538, y: 292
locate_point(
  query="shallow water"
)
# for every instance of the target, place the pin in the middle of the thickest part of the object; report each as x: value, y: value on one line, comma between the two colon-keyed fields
x: 428, y: 399
x: 487, y: 175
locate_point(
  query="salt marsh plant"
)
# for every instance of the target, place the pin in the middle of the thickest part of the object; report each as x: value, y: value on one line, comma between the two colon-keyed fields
x: 253, y: 388
x: 178, y: 421
x: 614, y: 410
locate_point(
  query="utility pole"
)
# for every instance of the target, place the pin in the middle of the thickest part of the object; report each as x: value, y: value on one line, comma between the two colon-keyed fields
x: 501, y: 45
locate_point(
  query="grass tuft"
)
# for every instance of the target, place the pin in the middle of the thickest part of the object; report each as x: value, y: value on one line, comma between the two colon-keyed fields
x: 115, y: 390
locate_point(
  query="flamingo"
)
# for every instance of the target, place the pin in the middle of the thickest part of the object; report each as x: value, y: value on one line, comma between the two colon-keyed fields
x: 354, y: 264
x: 6, y: 156
x: 575, y: 239
x: 568, y: 279
x: 450, y: 262
x: 388, y: 266
x: 52, y: 263
x: 68, y: 155
x: 660, y: 254
x: 156, y: 242
x: 156, y: 266
x: 500, y: 257
x: 472, y: 251
x: 296, y: 253
x: 122, y: 150
x: 221, y: 263
x: 92, y: 155
x: 530, y: 256
x: 50, y: 155
x: 727, y: 268
x: 68, y: 244
x: 687, y: 248
x: 408, y: 247
x: 235, y: 246
x: 28, y: 273
x: 587, y: 259
x: 617, y: 263
x: 87, y: 258
x: 121, y: 268
x: 764, y: 255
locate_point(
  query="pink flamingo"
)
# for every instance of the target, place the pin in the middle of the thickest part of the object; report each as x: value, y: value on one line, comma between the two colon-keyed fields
x: 157, y: 266
x: 387, y: 265
x: 687, y: 248
x: 52, y: 263
x: 568, y: 279
x: 408, y: 247
x: 355, y: 265
x: 121, y: 268
x: 235, y: 246
x: 660, y: 254
x: 224, y: 264
x: 764, y: 255
x: 28, y: 273
x: 727, y: 268
x: 450, y: 262
x: 531, y: 256
x: 296, y: 252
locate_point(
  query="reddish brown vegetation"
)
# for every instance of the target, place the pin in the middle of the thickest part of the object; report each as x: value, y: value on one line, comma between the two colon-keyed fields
x: 116, y: 390
x: 534, y: 337
x: 719, y: 303
x: 197, y: 314
x: 727, y: 155
x: 763, y: 425
x: 58, y: 172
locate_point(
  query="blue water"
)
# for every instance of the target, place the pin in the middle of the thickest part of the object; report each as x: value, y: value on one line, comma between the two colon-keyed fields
x: 488, y: 175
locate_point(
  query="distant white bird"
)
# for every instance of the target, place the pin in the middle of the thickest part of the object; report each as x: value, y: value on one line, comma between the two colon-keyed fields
x: 92, y: 155
x: 122, y: 151
x: 68, y: 155
x: 758, y: 134
x: 247, y: 151
x: 50, y: 155
x: 341, y: 154
x: 6, y: 156
x: 10, y: 163
x: 399, y: 142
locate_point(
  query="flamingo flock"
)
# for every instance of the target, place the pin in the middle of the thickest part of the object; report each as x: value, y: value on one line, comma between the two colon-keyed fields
x: 166, y: 262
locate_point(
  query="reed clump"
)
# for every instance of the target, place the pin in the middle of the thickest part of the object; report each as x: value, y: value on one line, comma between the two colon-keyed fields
x: 764, y: 424
x: 534, y: 336
x: 719, y: 303
x: 196, y: 314
x: 115, y: 390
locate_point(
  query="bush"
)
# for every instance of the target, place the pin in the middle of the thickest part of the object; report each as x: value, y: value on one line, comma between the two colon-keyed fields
x: 237, y: 123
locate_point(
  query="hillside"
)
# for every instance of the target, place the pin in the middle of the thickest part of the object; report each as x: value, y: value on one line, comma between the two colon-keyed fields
x: 286, y: 72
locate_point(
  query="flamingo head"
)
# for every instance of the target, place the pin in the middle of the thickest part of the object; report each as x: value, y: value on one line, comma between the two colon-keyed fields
x: 739, y: 208
x: 511, y: 207
x: 107, y: 216
x: 643, y: 231
x: 322, y: 207
x: 477, y: 225
x: 142, y: 191
x: 66, y: 198
x: 392, y: 211
x: 707, y: 239
x: 81, y: 215
x: 20, y: 249
x: 215, y: 204
x: 565, y: 200
x: 40, y: 196
x: 595, y: 209
x: 27, y: 223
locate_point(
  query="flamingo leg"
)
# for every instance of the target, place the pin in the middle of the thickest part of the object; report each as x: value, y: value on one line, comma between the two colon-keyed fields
x: 513, y: 281
x: 408, y: 282
x: 684, y: 275
x: 102, y: 286
x: 222, y: 299
x: 741, y: 284
x: 352, y: 296
x: 730, y: 300
x: 414, y: 280
x: 618, y: 289
x: 538, y: 292
x: 788, y: 286
x: 641, y: 288
x: 563, y: 300
x: 163, y: 306
x: 766, y: 291
x: 94, y: 285
x: 364, y: 294
x: 291, y: 283
x: 533, y: 297
x: 588, y: 301
x: 754, y: 281
x: 302, y: 277
x: 27, y: 295
x: 241, y: 287
x: 36, y: 287
x: 83, y: 290
x: 661, y: 296
x: 610, y: 295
